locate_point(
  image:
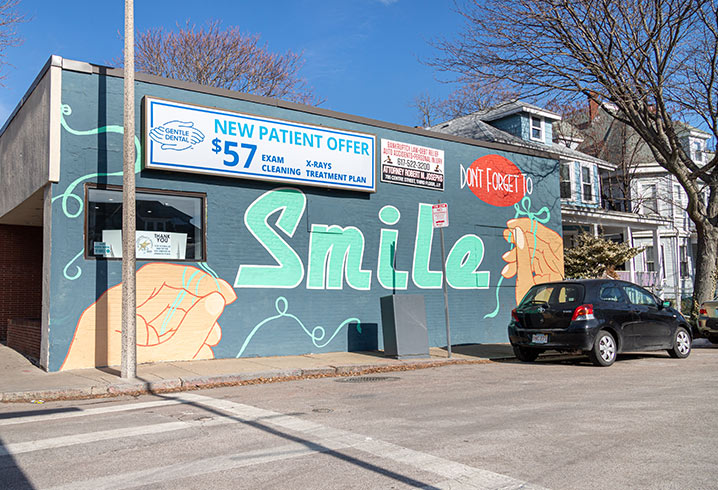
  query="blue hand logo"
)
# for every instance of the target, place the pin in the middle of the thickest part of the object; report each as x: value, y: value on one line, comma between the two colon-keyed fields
x: 176, y: 135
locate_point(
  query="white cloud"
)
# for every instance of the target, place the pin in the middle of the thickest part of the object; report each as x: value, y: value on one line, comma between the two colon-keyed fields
x: 388, y: 2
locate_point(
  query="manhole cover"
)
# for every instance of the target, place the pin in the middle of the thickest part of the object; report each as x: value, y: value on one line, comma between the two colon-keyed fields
x: 366, y: 379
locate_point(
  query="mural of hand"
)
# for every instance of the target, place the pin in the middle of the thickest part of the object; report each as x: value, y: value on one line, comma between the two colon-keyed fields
x: 536, y: 257
x: 177, y: 311
x: 176, y: 135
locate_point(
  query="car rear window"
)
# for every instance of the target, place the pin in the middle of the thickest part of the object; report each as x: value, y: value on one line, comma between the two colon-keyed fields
x: 555, y: 294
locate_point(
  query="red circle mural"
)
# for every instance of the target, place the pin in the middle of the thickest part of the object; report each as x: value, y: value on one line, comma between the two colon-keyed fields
x: 496, y: 180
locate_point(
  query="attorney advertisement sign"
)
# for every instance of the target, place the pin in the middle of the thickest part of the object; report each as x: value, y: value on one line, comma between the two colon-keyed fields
x: 188, y: 138
x: 414, y: 165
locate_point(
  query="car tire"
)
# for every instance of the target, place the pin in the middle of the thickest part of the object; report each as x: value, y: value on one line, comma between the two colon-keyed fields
x: 681, y: 344
x: 525, y: 354
x: 604, y: 349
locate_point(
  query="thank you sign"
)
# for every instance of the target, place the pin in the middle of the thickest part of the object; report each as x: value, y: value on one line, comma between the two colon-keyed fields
x: 188, y: 138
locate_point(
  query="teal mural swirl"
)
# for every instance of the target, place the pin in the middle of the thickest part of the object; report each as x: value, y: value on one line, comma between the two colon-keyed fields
x: 69, y: 194
x: 317, y: 334
x: 523, y: 209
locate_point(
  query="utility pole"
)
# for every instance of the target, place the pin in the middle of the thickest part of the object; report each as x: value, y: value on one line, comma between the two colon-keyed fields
x: 440, y: 219
x: 129, y: 296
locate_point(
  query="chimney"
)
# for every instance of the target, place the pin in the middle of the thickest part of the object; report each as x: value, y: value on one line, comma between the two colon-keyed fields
x: 592, y: 108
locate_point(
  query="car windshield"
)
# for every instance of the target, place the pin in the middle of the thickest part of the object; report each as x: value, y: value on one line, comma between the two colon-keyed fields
x: 554, y: 294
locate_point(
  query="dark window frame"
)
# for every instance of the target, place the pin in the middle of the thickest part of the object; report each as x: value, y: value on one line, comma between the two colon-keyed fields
x: 145, y: 190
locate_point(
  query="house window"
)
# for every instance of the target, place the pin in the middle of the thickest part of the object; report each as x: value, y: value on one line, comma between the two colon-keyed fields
x: 698, y: 151
x: 587, y: 183
x: 684, y: 261
x: 650, y: 199
x: 537, y: 128
x: 650, y: 259
x: 170, y: 225
x: 565, y: 176
x: 678, y: 200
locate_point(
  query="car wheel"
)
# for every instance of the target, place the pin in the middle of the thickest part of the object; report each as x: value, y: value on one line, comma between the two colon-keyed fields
x: 681, y: 344
x: 525, y: 354
x: 604, y: 349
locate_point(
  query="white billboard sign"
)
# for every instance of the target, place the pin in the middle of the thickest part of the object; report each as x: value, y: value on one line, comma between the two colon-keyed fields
x: 408, y: 164
x: 188, y: 138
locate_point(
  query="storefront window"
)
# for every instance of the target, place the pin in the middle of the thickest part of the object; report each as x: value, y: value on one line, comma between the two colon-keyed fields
x: 170, y: 225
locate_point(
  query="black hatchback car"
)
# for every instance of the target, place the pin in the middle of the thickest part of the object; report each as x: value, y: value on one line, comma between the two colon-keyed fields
x: 601, y: 317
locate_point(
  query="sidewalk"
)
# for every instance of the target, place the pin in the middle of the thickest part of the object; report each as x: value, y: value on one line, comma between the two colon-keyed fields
x: 21, y: 381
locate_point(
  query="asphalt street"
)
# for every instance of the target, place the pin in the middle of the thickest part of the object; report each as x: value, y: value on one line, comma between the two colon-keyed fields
x: 646, y: 422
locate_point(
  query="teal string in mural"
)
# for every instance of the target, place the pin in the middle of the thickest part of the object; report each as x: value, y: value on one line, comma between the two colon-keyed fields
x: 523, y: 208
x: 317, y: 334
x: 186, y: 284
x: 69, y: 194
x: 78, y: 273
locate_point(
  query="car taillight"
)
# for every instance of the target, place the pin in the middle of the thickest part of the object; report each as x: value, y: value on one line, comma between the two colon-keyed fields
x: 514, y: 315
x: 702, y: 311
x: 583, y: 312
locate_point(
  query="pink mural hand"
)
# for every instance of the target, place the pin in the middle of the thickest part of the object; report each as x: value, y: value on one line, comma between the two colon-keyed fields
x: 177, y: 311
x: 536, y: 257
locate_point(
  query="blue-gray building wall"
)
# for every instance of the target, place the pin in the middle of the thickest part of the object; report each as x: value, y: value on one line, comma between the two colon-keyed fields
x: 298, y: 320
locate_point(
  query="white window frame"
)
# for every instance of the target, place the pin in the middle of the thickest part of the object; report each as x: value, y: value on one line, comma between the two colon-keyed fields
x: 646, y: 262
x: 592, y: 197
x: 678, y: 208
x: 540, y: 128
x: 644, y: 209
x: 570, y: 166
x: 698, y: 150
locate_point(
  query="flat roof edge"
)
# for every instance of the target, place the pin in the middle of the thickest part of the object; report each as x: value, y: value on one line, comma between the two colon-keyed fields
x: 84, y: 67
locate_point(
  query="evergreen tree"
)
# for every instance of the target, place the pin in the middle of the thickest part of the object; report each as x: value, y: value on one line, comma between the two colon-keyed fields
x: 596, y: 257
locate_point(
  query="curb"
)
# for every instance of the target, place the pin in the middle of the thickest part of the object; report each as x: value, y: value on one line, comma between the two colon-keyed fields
x: 204, y: 382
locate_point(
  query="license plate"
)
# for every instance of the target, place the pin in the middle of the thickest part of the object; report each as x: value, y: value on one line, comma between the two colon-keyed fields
x: 539, y: 338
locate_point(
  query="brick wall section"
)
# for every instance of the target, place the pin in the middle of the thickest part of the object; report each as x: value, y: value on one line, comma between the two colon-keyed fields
x: 20, y: 274
x: 23, y: 335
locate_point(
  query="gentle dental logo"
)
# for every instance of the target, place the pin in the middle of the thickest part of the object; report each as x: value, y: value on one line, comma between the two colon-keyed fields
x: 176, y: 135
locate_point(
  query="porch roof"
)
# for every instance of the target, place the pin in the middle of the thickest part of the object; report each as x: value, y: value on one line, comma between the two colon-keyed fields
x: 578, y: 215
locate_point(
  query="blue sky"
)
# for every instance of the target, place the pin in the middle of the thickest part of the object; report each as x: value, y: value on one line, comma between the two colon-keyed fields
x: 362, y: 56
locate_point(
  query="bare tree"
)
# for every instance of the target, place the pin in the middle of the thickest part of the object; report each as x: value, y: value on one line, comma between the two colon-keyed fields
x: 469, y: 97
x: 9, y: 20
x: 657, y: 62
x: 225, y: 58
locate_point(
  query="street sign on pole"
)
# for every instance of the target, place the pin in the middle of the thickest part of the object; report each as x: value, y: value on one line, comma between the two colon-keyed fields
x: 440, y: 215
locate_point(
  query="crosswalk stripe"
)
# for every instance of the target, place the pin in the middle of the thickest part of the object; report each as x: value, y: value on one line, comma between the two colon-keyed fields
x: 178, y: 471
x: 169, y: 400
x: 103, y: 435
